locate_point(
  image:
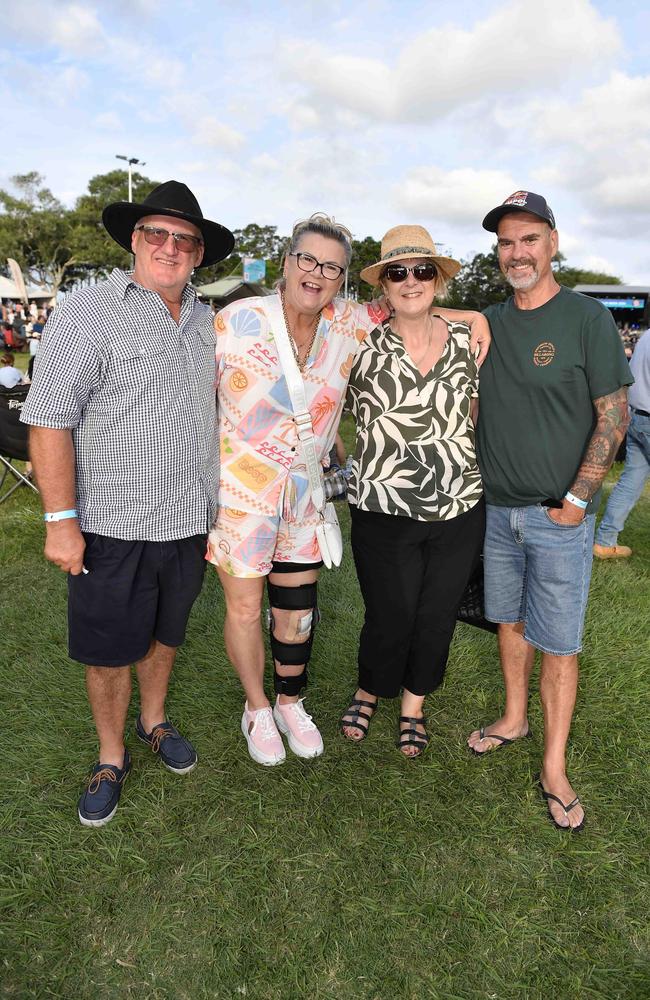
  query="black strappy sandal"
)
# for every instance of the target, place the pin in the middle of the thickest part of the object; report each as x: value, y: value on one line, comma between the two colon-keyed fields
x: 410, y: 737
x: 359, y: 719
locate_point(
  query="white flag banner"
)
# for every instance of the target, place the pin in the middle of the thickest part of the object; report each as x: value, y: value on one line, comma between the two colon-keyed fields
x: 19, y: 281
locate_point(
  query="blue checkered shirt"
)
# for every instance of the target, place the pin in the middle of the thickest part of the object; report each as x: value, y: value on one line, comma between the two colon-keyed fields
x: 138, y: 392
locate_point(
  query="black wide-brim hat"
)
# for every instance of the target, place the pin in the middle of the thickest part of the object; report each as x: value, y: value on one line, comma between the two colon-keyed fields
x: 176, y: 200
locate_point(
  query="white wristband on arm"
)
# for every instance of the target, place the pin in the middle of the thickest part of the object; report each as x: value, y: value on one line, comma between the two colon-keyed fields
x: 583, y: 504
x: 59, y: 515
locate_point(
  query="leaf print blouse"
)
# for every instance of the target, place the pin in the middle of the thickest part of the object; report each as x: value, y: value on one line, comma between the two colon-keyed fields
x: 414, y: 451
x: 263, y: 470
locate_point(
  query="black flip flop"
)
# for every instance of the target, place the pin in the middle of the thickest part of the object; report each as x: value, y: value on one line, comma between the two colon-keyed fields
x: 567, y: 809
x: 503, y: 741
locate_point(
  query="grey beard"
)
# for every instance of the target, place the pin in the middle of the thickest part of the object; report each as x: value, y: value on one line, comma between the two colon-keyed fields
x: 523, y: 284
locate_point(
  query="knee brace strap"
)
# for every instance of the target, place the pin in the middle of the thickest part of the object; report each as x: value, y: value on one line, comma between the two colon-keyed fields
x: 289, y: 685
x: 291, y: 654
x: 292, y: 598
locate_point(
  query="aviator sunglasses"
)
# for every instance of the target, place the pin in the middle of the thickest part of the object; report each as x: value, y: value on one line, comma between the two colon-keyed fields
x: 421, y: 272
x: 157, y: 237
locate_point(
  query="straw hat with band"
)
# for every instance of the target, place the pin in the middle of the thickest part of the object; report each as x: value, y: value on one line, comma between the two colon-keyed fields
x: 405, y: 242
x: 176, y: 200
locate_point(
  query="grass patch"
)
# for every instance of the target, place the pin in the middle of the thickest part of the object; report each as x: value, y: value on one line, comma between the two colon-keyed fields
x: 358, y: 875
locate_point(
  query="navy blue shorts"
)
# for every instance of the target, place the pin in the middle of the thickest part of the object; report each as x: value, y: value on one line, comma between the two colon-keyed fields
x: 134, y: 592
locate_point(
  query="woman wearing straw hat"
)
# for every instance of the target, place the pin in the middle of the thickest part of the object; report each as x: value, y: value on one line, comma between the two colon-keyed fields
x: 266, y: 523
x: 415, y: 493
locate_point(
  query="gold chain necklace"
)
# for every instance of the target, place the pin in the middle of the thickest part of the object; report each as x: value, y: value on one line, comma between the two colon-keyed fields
x: 294, y: 347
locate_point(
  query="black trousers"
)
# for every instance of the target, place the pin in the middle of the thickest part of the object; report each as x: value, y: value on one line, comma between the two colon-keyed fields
x: 412, y: 576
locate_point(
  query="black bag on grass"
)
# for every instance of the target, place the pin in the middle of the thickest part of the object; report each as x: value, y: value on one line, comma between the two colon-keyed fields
x: 472, y: 606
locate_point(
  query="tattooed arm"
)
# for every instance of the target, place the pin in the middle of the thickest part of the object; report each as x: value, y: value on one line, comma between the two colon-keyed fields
x: 612, y: 421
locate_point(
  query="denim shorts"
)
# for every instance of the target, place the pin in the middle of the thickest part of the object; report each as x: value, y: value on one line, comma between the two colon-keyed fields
x: 538, y: 572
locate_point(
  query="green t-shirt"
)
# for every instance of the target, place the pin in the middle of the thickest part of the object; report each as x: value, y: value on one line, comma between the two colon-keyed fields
x: 536, y: 417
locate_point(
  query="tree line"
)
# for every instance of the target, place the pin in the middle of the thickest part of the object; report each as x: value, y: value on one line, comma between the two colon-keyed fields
x: 58, y: 248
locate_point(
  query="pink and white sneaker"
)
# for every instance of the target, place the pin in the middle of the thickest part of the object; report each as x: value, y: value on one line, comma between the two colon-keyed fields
x: 264, y: 741
x: 302, y: 733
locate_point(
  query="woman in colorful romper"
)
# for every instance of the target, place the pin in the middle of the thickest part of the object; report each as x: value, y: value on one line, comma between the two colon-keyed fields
x: 266, y: 522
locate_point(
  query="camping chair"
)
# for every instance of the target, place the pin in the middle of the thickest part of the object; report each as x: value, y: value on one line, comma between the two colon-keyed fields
x: 13, y: 438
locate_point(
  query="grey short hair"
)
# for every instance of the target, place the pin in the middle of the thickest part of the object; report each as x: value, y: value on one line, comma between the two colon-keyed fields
x: 322, y: 225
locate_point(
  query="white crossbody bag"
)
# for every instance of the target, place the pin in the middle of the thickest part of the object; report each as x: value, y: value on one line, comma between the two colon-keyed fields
x: 328, y: 531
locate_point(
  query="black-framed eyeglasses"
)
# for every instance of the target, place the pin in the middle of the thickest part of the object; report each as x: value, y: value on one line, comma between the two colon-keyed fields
x: 425, y: 271
x: 328, y: 268
x: 157, y: 237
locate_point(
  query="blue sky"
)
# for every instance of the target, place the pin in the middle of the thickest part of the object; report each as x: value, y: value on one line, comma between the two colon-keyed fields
x: 376, y: 112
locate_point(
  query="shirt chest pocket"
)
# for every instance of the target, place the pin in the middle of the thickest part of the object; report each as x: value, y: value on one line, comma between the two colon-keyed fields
x: 139, y: 362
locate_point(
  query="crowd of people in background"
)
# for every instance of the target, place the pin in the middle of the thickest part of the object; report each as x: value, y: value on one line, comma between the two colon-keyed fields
x: 630, y: 336
x: 22, y: 328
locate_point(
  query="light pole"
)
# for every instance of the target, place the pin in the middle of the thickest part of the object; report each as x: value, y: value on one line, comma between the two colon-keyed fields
x: 130, y: 161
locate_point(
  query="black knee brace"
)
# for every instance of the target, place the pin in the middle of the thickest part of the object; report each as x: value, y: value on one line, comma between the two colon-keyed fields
x: 302, y: 598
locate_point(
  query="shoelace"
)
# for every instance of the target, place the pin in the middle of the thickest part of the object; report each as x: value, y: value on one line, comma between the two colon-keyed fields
x: 264, y: 722
x: 304, y: 719
x: 157, y: 735
x: 96, y: 780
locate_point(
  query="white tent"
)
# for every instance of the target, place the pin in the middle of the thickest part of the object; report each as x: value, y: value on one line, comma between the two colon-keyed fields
x: 8, y: 290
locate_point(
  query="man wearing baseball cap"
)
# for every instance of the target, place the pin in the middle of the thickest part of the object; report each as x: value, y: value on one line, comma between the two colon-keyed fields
x: 124, y: 447
x: 553, y: 410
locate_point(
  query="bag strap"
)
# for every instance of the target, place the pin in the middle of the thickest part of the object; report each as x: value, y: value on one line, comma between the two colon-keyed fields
x: 272, y: 306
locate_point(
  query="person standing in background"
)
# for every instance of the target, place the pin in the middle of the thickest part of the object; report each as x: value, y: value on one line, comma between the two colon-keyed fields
x: 629, y: 487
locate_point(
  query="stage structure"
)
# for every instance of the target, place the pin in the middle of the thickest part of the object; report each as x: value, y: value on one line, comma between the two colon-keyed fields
x: 627, y: 303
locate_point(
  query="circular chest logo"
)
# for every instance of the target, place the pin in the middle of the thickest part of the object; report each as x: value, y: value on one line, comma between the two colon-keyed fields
x: 238, y: 381
x: 544, y: 354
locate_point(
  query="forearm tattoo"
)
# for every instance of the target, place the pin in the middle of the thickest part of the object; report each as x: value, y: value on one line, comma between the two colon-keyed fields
x: 608, y: 433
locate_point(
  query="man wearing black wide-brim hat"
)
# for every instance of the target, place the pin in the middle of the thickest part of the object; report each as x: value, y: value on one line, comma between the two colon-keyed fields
x: 124, y: 448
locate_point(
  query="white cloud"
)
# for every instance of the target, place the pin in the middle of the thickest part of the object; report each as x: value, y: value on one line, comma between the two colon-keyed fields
x: 301, y: 117
x: 194, y: 167
x: 228, y: 168
x: 75, y: 28
x: 570, y: 244
x: 109, y: 121
x: 461, y: 197
x: 612, y: 112
x: 353, y: 82
x: 210, y: 132
x: 265, y: 162
x: 602, y: 264
x: 520, y: 48
x: 602, y: 143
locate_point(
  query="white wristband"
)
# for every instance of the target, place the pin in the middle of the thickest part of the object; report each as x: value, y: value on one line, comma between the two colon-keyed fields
x: 59, y: 515
x: 583, y: 504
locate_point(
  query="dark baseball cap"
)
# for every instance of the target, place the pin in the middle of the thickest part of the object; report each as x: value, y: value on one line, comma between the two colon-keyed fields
x: 520, y: 201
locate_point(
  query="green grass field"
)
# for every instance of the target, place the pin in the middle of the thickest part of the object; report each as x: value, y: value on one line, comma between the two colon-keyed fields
x: 358, y: 875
